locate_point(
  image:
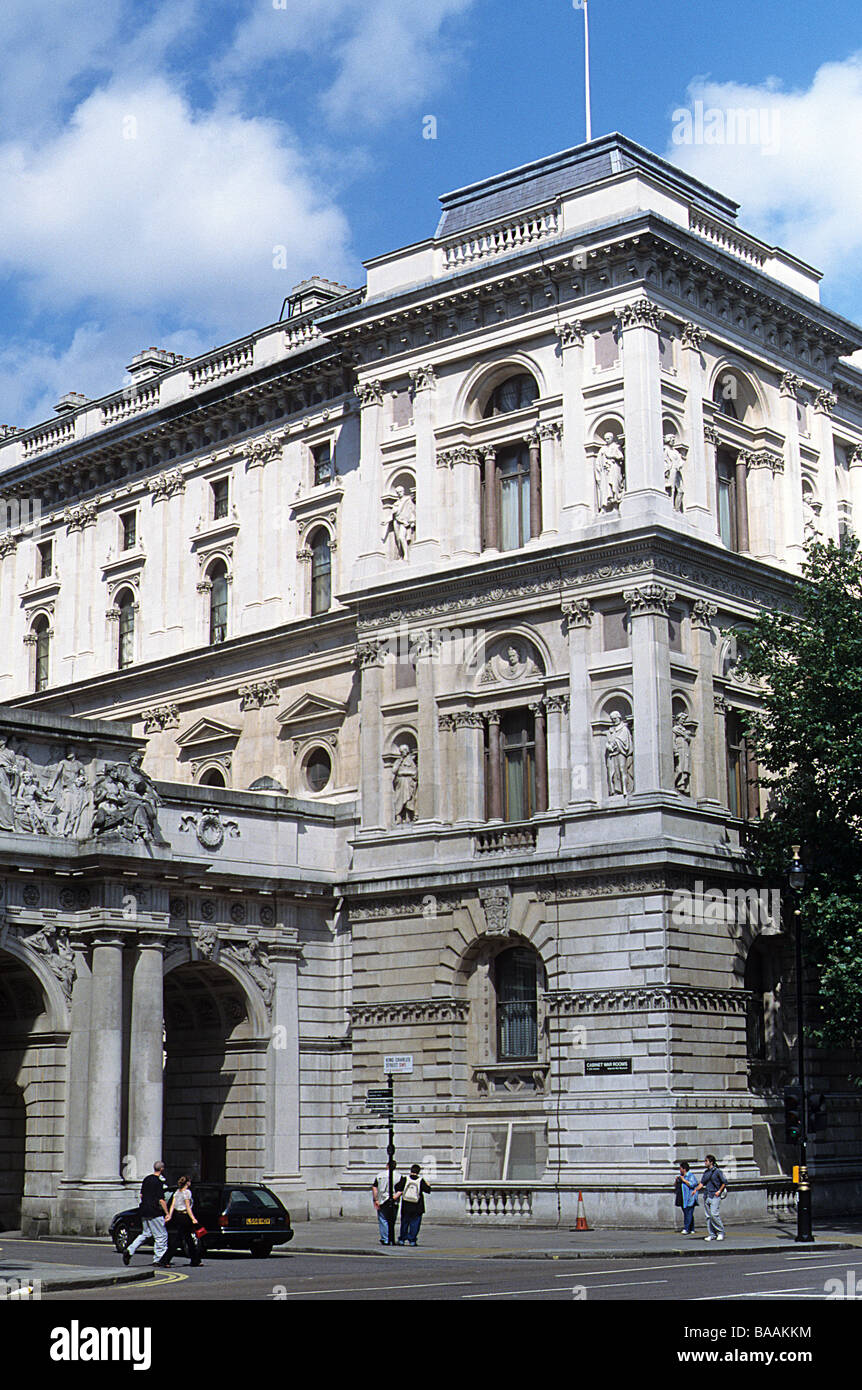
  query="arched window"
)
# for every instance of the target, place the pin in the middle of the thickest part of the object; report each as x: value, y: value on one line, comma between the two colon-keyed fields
x: 126, y: 639
x: 213, y: 778
x: 42, y: 631
x: 516, y: 980
x: 318, y: 769
x: 321, y: 572
x: 218, y: 602
x: 515, y: 393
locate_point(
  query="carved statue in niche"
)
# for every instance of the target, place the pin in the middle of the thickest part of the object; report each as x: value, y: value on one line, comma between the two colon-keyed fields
x: 683, y: 735
x: 619, y: 756
x: 405, y: 781
x: 512, y: 663
x: 673, y: 472
x: 610, y: 473
x: 401, y: 521
x: 8, y: 785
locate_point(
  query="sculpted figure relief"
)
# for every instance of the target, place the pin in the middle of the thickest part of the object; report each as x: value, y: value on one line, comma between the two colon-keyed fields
x: 610, y: 473
x: 619, y: 754
x: 64, y: 790
x: 683, y: 736
x: 401, y: 522
x: 673, y: 472
x: 405, y: 778
x: 8, y: 785
x: 126, y: 800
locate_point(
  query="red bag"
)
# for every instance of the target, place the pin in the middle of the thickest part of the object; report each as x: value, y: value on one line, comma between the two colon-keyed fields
x: 200, y: 1232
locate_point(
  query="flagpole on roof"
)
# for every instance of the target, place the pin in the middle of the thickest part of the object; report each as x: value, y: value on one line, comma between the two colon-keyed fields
x: 587, y: 70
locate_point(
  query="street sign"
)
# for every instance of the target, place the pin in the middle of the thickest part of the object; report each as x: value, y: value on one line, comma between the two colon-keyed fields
x: 378, y: 1093
x: 398, y: 1064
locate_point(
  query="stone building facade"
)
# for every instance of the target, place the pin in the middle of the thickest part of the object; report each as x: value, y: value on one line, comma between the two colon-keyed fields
x: 422, y: 604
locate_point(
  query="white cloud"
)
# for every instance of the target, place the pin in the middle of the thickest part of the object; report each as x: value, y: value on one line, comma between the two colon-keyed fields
x: 141, y: 203
x: 798, y: 183
x: 386, y: 54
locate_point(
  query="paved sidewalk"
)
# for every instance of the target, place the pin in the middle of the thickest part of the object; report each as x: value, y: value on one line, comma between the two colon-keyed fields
x: 343, y: 1237
x: 24, y: 1279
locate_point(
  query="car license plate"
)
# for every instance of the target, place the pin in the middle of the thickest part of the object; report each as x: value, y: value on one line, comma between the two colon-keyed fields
x: 258, y: 1221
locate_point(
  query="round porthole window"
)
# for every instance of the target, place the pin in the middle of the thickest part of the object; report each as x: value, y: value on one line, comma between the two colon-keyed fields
x: 318, y: 769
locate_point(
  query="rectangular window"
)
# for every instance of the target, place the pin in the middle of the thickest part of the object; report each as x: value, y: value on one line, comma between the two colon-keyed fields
x: 743, y: 793
x: 505, y: 1152
x: 726, y: 488
x: 129, y: 523
x: 45, y: 566
x: 322, y: 457
x: 518, y: 740
x: 221, y: 498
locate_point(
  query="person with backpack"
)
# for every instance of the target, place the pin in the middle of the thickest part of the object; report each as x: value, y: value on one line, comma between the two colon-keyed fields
x: 685, y: 1190
x: 412, y: 1190
x: 713, y: 1185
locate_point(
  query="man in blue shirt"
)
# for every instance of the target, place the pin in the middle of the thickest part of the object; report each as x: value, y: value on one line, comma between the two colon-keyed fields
x: 712, y: 1184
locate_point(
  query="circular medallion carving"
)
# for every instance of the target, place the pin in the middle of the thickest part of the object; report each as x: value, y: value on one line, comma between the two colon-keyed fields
x: 68, y: 899
x: 267, y: 916
x: 207, y: 910
x: 31, y: 895
x: 178, y: 907
x: 210, y: 832
x: 238, y: 913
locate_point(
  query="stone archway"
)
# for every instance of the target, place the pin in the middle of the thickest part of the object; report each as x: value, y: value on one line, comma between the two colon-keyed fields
x: 214, y: 1076
x: 32, y: 1076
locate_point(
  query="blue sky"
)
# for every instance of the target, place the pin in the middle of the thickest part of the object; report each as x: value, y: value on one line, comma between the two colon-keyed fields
x: 155, y: 154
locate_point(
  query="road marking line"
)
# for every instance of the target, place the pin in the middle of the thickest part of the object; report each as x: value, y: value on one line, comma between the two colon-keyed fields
x: 519, y: 1293
x: 377, y: 1288
x: 635, y: 1269
x: 759, y: 1293
x: 839, y: 1264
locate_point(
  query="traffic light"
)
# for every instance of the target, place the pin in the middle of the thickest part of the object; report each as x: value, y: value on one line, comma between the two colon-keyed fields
x: 794, y: 1122
x: 816, y: 1112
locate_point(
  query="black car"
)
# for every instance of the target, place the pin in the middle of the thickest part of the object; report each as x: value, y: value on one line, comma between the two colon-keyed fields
x: 235, y: 1215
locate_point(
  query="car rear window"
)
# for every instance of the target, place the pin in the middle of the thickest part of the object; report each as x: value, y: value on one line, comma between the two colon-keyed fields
x: 242, y: 1197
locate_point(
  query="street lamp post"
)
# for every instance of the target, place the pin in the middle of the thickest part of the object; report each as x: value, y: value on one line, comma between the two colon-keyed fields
x: 797, y: 876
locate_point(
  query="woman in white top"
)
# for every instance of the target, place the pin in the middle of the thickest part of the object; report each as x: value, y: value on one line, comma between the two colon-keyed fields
x: 182, y: 1222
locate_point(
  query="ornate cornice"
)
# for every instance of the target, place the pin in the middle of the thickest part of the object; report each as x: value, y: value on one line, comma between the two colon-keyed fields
x: 258, y: 694
x: 825, y: 402
x: 570, y: 334
x: 262, y: 450
x: 791, y: 385
x: 647, y: 998
x: 423, y: 379
x: 77, y: 518
x: 409, y: 1011
x: 577, y: 612
x: 762, y: 458
x: 160, y: 717
x: 369, y: 393
x: 692, y: 336
x: 166, y: 485
x: 370, y: 654
x: 702, y: 613
x: 448, y: 458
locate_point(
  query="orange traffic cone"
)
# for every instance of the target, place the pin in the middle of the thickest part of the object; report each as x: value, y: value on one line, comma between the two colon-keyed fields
x: 581, y: 1223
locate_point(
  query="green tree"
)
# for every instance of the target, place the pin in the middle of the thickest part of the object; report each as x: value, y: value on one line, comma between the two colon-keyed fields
x: 808, y: 743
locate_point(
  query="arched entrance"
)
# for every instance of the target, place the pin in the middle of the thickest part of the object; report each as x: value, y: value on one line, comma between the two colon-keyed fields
x: 215, y: 1075
x: 30, y: 1089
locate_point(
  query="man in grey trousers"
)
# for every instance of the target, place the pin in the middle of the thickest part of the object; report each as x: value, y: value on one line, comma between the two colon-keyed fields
x: 153, y: 1211
x: 712, y: 1184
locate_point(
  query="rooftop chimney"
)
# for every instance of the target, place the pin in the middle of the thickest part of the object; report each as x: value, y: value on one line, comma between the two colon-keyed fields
x: 72, y: 400
x: 310, y: 294
x: 152, y: 362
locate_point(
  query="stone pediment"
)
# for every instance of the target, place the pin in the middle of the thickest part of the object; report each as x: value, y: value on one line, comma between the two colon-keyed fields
x: 207, y: 731
x: 310, y: 708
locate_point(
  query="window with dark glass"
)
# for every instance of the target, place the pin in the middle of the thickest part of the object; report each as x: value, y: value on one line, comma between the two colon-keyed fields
x: 726, y: 493
x: 515, y: 393
x: 318, y: 769
x: 516, y: 982
x: 213, y: 778
x: 726, y: 396
x: 221, y: 498
x: 506, y: 492
x: 322, y: 456
x: 755, y: 983
x: 321, y: 572
x: 218, y: 602
x: 46, y: 560
x: 43, y: 643
x: 129, y: 523
x: 126, y: 627
x: 742, y: 774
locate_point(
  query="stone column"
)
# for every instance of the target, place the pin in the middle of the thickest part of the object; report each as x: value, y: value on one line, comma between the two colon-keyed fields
x: 105, y: 1068
x: 703, y: 763
x: 557, y: 706
x: 761, y: 467
x: 283, y: 1112
x: 578, y: 616
x: 721, y: 708
x: 464, y: 511
x: 372, y: 559
x: 541, y: 740
x: 429, y: 517
x: 428, y: 791
x: 370, y: 656
x: 711, y: 441
x: 649, y: 606
x: 578, y: 503
x: 551, y: 503
x: 492, y: 541
x: 640, y: 324
x: 794, y: 528
x: 855, y: 471
x: 145, y: 1058
x: 533, y: 442
x: 698, y: 485
x: 495, y: 770
x: 824, y: 404
x: 447, y: 806
x: 742, y: 542
x: 470, y: 764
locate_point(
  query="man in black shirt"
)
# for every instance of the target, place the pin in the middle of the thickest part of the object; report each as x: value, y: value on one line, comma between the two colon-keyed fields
x: 412, y: 1191
x: 152, y: 1211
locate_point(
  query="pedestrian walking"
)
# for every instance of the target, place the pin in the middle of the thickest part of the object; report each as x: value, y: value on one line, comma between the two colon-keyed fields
x: 380, y: 1195
x: 153, y: 1211
x: 686, y: 1197
x: 712, y: 1184
x: 182, y: 1223
x: 412, y: 1190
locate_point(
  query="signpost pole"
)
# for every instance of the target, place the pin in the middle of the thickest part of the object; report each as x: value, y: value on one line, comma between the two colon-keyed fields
x: 391, y: 1155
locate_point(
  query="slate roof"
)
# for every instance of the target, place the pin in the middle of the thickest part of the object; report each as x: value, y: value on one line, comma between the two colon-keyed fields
x: 543, y: 180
